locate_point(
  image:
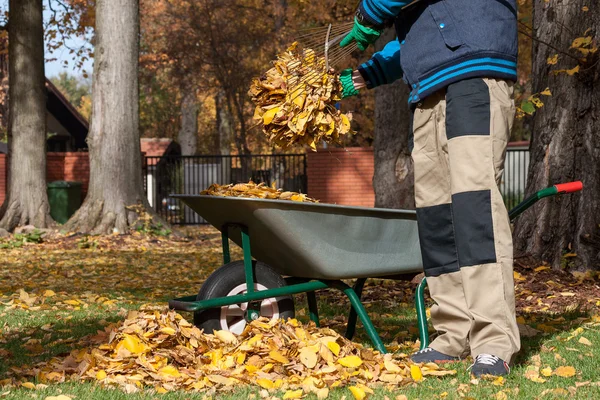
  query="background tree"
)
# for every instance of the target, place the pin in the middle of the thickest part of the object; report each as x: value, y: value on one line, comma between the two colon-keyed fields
x: 26, y: 202
x: 113, y: 140
x: 566, y: 141
x: 393, y: 180
x: 77, y: 90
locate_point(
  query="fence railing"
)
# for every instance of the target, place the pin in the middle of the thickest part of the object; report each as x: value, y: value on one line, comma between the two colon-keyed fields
x: 514, y: 179
x: 192, y: 174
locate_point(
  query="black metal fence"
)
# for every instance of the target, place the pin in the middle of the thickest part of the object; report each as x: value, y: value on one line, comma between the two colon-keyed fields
x: 191, y: 174
x: 514, y: 179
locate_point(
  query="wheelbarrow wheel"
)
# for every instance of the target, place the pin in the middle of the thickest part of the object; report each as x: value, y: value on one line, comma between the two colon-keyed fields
x: 230, y: 280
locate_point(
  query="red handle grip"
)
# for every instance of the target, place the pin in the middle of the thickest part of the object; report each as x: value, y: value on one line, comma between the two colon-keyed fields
x: 569, y: 187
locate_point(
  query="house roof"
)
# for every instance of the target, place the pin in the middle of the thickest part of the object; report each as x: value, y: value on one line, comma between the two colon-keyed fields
x: 155, y: 147
x: 68, y: 116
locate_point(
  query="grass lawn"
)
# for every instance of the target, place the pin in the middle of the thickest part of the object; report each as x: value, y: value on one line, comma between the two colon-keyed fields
x: 55, y: 294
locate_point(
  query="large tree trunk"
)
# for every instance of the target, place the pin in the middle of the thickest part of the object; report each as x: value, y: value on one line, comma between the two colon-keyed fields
x: 188, y: 134
x: 27, y: 201
x: 114, y: 139
x: 393, y: 180
x: 565, y: 144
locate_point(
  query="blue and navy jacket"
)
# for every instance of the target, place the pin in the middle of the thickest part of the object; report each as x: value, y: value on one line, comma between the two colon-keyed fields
x: 442, y: 41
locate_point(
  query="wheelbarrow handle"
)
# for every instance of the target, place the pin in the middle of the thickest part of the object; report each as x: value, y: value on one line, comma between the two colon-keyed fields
x: 560, y: 188
x: 569, y: 187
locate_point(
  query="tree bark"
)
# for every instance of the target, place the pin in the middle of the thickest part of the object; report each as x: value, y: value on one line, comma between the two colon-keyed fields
x: 393, y: 180
x: 565, y: 144
x: 188, y: 134
x: 224, y: 124
x: 27, y: 201
x: 114, y: 139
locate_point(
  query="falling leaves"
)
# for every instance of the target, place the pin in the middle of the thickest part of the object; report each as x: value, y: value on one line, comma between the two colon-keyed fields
x: 295, y: 101
x: 255, y: 191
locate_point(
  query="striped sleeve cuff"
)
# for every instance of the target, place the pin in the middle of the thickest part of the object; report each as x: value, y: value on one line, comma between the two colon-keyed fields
x: 372, y: 73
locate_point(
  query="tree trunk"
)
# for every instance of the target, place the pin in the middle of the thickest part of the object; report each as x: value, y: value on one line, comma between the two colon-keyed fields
x: 27, y: 201
x: 224, y: 124
x: 114, y: 139
x: 393, y: 180
x: 188, y: 134
x: 565, y: 144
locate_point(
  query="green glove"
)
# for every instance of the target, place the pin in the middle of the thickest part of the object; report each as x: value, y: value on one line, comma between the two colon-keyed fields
x: 347, y: 84
x: 363, y: 35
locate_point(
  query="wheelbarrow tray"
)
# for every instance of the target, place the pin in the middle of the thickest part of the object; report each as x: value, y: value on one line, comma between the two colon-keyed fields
x: 318, y: 241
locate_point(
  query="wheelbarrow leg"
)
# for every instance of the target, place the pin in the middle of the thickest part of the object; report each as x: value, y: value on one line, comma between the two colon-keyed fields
x: 351, y: 328
x: 362, y: 314
x: 313, y: 309
x: 422, y: 314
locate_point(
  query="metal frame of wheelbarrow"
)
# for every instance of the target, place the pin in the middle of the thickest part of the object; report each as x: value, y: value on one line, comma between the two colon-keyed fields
x: 297, y: 285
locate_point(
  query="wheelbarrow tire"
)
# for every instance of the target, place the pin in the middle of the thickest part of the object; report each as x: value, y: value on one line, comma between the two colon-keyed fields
x: 231, y: 277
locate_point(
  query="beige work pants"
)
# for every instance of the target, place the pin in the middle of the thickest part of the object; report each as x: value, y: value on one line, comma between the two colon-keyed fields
x: 460, y: 137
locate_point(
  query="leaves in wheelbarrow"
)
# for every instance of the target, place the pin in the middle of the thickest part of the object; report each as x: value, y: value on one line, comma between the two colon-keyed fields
x: 161, y: 350
x: 295, y: 101
x: 255, y: 191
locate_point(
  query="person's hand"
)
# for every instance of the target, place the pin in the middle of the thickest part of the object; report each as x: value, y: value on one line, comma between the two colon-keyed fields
x: 362, y: 35
x: 348, y: 87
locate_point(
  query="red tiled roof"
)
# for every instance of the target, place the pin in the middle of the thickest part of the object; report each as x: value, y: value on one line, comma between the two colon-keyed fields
x: 154, y: 147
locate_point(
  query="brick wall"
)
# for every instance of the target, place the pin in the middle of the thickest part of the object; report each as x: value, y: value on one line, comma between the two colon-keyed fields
x: 3, y: 182
x: 59, y: 167
x: 342, y: 176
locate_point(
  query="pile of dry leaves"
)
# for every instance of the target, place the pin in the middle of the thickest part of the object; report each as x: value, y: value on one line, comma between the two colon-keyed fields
x: 255, y: 191
x: 295, y: 101
x: 161, y: 350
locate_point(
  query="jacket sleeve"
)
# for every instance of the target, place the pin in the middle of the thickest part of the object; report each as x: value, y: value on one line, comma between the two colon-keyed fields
x: 383, y: 67
x: 377, y: 11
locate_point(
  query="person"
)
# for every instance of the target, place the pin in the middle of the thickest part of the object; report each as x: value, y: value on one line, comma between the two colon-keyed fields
x: 459, y: 59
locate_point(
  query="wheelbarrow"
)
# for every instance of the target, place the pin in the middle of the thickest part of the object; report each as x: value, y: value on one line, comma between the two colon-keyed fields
x: 292, y: 247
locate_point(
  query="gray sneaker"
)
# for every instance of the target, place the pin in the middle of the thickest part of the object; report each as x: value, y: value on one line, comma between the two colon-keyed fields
x: 431, y: 355
x: 487, y: 364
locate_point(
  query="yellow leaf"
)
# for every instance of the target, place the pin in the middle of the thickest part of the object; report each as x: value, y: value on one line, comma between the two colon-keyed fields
x: 564, y: 371
x: 546, y: 371
x: 537, y: 102
x: 415, y: 373
x: 499, y: 381
x: 28, y: 385
x: 390, y: 366
x: 552, y: 60
x: 581, y: 42
x: 265, y: 383
x: 357, y: 392
x: 161, y: 390
x: 59, y: 397
x: 49, y: 293
x: 101, y: 375
x: 543, y: 267
x: 322, y: 393
x: 334, y: 347
x: 546, y: 92
x: 226, y: 337
x: 220, y: 379
x: 585, y: 9
x: 168, y: 330
x: 572, y: 72
x: 293, y: 394
x: 170, y: 371
x: 308, y: 357
x: 71, y: 302
x: 133, y: 344
x: 277, y: 356
x: 269, y: 115
x: 350, y: 361
x: 585, y: 341
x: 518, y: 276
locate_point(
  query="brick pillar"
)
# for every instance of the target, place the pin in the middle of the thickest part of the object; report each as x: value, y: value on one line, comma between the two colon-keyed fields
x: 342, y: 176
